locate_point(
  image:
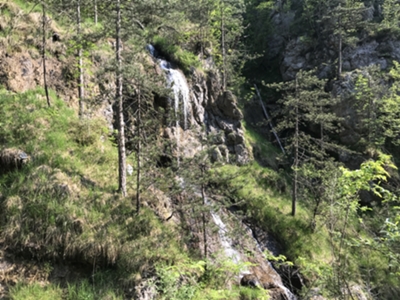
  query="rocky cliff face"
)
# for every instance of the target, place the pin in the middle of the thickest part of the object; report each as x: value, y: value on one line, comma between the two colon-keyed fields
x: 218, y: 110
x: 208, y: 106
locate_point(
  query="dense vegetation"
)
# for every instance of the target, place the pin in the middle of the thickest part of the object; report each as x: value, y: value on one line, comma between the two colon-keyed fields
x: 330, y: 201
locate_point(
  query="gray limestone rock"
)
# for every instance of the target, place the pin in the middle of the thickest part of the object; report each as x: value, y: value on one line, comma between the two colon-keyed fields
x: 227, y: 105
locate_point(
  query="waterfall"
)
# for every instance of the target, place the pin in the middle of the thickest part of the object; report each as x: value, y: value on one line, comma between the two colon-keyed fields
x: 226, y: 242
x: 177, y: 82
x: 234, y: 255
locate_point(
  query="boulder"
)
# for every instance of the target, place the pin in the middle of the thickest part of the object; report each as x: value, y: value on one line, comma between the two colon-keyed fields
x: 250, y: 280
x: 12, y: 159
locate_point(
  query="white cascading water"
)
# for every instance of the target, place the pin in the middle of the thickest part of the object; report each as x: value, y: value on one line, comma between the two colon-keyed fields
x: 226, y: 242
x: 177, y: 82
x: 234, y: 255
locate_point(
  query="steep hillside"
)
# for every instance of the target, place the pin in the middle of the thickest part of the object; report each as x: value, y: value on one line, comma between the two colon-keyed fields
x: 154, y: 158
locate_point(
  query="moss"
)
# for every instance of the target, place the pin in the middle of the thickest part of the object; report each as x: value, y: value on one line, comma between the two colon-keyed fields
x: 173, y: 53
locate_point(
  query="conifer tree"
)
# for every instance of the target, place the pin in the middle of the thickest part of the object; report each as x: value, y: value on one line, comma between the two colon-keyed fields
x: 227, y: 20
x: 145, y: 121
x: 391, y: 16
x: 81, y: 87
x: 378, y: 107
x: 130, y: 19
x: 304, y: 106
x: 336, y: 24
x: 342, y: 21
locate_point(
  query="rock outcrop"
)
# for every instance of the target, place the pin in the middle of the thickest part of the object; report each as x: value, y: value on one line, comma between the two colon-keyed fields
x: 218, y: 110
x: 12, y: 159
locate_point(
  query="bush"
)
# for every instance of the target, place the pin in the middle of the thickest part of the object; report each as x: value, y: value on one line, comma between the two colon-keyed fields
x: 185, y: 60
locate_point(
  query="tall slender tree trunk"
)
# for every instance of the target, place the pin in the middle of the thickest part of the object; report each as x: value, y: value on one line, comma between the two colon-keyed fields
x: 81, y: 88
x: 95, y: 12
x: 266, y: 115
x: 203, y: 195
x: 138, y: 153
x: 296, y: 155
x: 223, y: 49
x: 121, y: 124
x: 44, y: 54
x: 339, y: 67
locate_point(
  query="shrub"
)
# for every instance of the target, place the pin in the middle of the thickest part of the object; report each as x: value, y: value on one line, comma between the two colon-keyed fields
x: 182, y: 58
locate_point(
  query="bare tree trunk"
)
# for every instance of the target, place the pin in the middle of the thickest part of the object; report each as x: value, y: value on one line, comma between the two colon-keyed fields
x: 269, y: 120
x: 139, y: 133
x: 223, y: 50
x: 296, y: 156
x: 95, y: 12
x: 339, y: 69
x: 121, y: 125
x: 203, y: 195
x: 44, y: 54
x: 81, y: 88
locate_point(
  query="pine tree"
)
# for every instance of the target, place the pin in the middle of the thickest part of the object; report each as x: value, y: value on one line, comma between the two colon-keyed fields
x: 342, y: 20
x: 378, y: 107
x: 391, y: 16
x: 304, y: 106
x: 145, y: 119
x: 227, y: 23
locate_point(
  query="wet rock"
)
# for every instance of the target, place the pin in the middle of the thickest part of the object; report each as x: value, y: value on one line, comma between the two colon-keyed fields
x: 231, y: 139
x: 226, y: 126
x: 294, y: 59
x: 213, y: 86
x: 283, y: 21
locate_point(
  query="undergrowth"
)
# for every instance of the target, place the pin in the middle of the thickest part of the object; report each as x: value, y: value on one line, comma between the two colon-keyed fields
x: 184, y: 59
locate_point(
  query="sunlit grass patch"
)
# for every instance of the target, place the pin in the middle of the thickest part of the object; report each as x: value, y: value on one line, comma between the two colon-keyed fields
x: 35, y: 291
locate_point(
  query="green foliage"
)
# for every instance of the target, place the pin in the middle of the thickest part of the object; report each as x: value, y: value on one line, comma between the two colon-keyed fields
x: 246, y: 293
x: 184, y: 59
x: 391, y: 17
x: 263, y: 150
x: 35, y: 291
x: 81, y: 291
x: 180, y: 281
x: 99, y: 289
x: 201, y: 280
x: 262, y: 195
